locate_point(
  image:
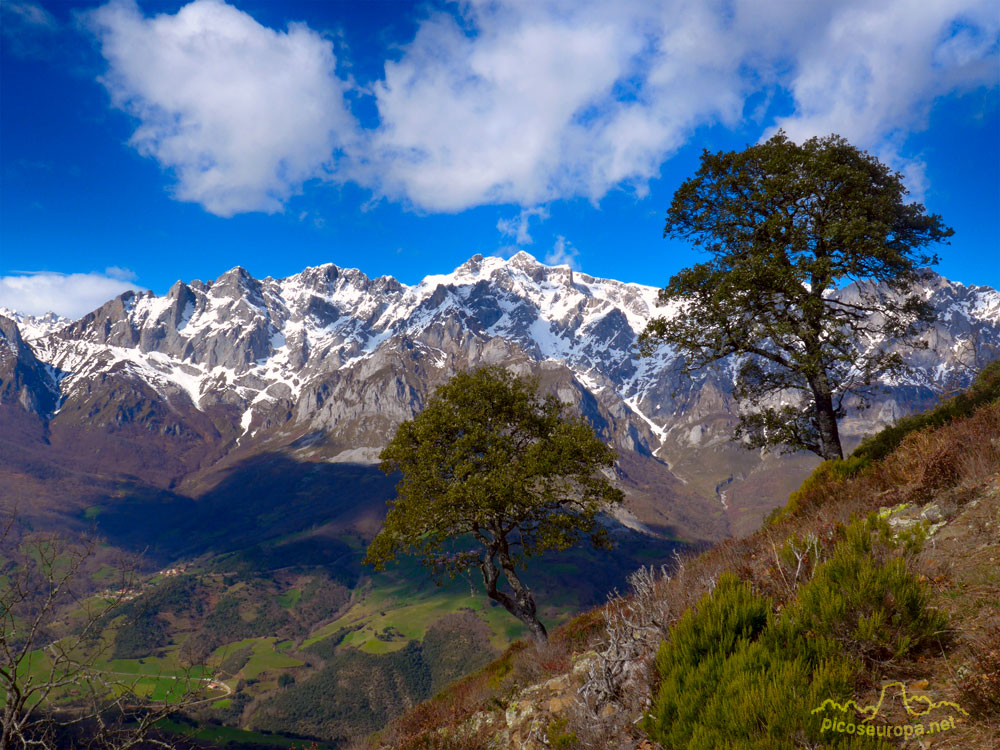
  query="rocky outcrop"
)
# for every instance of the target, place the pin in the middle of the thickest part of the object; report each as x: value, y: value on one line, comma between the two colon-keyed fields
x: 24, y: 380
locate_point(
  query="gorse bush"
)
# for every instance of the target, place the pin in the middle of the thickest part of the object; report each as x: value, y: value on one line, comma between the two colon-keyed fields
x: 734, y: 674
x: 866, y: 599
x: 732, y: 677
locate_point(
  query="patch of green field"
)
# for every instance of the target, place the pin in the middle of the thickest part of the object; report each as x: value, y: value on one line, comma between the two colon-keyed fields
x: 266, y: 659
x: 164, y: 687
x: 267, y: 655
x: 290, y: 598
x: 411, y: 609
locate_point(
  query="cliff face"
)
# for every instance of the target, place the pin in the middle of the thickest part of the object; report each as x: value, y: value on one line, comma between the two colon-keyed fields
x: 24, y: 380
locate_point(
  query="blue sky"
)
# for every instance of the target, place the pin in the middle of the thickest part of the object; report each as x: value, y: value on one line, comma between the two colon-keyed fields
x: 141, y: 143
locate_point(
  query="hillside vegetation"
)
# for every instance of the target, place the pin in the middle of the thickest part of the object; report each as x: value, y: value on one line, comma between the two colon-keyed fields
x: 865, y: 613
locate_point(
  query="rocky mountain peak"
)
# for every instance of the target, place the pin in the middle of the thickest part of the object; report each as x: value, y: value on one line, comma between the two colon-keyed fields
x: 33, y: 327
x: 24, y: 380
x: 332, y: 352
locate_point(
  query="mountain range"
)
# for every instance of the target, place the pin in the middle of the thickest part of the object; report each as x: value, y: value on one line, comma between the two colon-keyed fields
x: 179, y: 393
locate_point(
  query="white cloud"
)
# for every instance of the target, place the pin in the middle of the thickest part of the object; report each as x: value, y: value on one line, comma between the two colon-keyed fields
x: 27, y: 29
x: 518, y: 226
x: 30, y: 14
x: 872, y: 71
x: 552, y: 100
x: 72, y: 295
x: 525, y: 102
x: 563, y: 253
x: 121, y: 274
x: 242, y: 115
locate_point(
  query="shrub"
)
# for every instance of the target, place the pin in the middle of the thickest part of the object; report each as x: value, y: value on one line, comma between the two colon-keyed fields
x: 735, y: 675
x: 731, y: 677
x: 981, y: 685
x: 865, y: 598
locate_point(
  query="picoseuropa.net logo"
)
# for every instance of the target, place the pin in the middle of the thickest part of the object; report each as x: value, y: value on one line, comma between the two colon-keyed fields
x: 850, y: 718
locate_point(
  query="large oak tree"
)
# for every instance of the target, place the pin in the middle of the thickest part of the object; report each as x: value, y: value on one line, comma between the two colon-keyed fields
x: 787, y: 227
x: 493, y: 474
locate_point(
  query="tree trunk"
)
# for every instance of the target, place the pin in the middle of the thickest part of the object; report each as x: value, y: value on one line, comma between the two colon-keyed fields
x: 522, y: 604
x: 826, y: 420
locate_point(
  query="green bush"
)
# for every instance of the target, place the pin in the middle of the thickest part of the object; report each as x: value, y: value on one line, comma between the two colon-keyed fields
x: 866, y: 599
x: 735, y: 675
x: 732, y: 677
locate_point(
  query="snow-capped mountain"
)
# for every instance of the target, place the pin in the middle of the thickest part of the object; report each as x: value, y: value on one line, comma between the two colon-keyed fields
x: 328, y: 361
x: 35, y: 326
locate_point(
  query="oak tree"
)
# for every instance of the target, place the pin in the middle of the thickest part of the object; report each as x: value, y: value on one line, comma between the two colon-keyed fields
x: 492, y: 474
x: 809, y: 287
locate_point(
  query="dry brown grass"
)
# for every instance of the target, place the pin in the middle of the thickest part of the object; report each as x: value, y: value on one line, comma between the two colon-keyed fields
x: 488, y: 690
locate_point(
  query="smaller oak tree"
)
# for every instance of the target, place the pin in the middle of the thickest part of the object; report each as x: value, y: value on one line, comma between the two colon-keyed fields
x: 493, y: 474
x: 788, y: 227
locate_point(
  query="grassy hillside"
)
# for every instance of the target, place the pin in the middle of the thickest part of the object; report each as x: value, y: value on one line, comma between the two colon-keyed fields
x: 866, y: 613
x: 311, y: 645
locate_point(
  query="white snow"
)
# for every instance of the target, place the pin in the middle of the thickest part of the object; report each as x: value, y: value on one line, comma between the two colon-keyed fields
x: 565, y: 308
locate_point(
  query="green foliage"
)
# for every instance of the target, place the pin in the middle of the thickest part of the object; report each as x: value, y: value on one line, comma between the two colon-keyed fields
x: 140, y: 635
x: 731, y: 678
x: 735, y: 675
x: 285, y: 679
x: 488, y: 455
x: 985, y: 390
x: 493, y: 474
x: 866, y: 599
x: 785, y: 225
x: 558, y: 737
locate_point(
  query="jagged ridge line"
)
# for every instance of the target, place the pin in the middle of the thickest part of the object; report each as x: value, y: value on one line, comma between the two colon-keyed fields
x: 874, y: 710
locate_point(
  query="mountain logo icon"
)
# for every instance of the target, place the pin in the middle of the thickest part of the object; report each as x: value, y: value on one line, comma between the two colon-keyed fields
x: 860, y: 719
